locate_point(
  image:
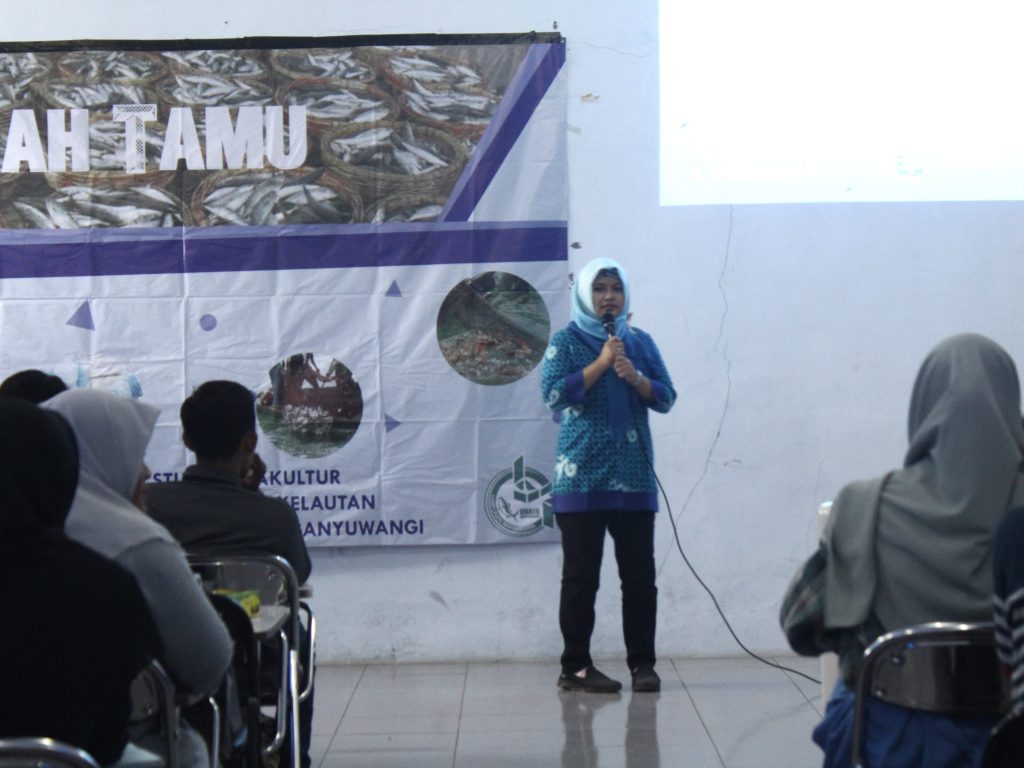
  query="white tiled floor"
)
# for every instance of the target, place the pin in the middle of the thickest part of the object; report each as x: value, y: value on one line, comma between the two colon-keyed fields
x: 725, y: 713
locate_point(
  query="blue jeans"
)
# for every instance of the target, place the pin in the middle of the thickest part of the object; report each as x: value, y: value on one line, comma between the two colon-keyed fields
x: 895, y: 737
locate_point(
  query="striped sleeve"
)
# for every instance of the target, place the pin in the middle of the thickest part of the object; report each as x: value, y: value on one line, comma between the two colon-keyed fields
x: 1008, y: 600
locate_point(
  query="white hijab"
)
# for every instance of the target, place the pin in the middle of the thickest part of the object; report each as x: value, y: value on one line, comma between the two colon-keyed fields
x: 112, y: 433
x: 916, y: 545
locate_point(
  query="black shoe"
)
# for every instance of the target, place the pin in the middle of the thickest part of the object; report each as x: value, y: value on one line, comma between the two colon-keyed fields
x: 592, y: 681
x: 645, y: 679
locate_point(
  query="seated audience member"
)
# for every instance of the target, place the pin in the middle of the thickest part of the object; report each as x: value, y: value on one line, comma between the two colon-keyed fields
x: 217, y: 508
x: 915, y: 546
x: 32, y: 385
x: 77, y: 630
x: 107, y: 517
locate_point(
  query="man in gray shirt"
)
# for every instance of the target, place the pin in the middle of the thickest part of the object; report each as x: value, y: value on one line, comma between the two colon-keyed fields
x: 216, y: 509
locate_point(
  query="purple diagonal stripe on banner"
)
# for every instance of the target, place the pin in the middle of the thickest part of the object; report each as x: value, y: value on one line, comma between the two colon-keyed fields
x: 211, y: 250
x: 537, y: 72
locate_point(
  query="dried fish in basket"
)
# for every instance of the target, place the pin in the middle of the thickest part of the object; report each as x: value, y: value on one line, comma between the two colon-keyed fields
x: 330, y: 63
x: 81, y: 207
x: 204, y: 90
x: 107, y: 155
x: 113, y: 66
x: 463, y: 112
x: 17, y: 73
x: 266, y: 198
x: 330, y: 103
x: 81, y: 94
x: 405, y: 208
x: 247, y: 63
x: 387, y: 159
x: 430, y: 69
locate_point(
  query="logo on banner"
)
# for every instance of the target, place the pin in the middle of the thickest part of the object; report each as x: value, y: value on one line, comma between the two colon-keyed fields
x: 518, y: 500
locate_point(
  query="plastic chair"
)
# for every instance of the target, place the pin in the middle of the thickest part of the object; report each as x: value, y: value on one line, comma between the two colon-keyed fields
x: 43, y: 753
x: 941, y: 667
x: 277, y: 586
x: 153, y: 695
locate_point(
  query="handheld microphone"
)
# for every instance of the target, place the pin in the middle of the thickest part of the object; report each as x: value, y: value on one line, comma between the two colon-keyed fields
x: 608, y: 321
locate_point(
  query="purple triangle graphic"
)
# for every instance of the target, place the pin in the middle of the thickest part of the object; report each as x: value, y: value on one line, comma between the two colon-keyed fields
x: 394, y: 290
x: 82, y: 318
x: 390, y: 423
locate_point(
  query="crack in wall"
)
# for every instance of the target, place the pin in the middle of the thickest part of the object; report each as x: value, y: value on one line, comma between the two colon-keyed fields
x: 728, y: 388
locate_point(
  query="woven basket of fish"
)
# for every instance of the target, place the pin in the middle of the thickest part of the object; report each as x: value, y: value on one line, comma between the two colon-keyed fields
x: 401, y: 208
x: 140, y: 67
x: 185, y: 89
x: 107, y: 159
x: 81, y: 207
x: 463, y: 112
x: 382, y: 160
x: 330, y: 63
x: 248, y: 63
x: 76, y: 93
x: 330, y: 103
x: 17, y: 73
x: 431, y: 69
x: 266, y: 198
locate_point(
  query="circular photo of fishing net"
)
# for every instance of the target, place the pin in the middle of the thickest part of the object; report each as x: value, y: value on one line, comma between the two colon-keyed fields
x: 493, y: 328
x: 309, y: 407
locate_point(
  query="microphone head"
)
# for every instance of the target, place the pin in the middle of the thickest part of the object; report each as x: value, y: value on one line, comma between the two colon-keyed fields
x: 608, y: 321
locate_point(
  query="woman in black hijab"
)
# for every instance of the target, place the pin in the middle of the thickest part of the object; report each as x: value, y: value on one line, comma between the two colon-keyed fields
x: 76, y: 630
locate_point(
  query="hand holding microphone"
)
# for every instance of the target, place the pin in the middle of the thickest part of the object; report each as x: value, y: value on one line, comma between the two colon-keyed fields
x: 614, y: 348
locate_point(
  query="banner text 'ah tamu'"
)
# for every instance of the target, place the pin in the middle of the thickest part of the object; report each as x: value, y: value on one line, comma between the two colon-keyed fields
x: 258, y: 133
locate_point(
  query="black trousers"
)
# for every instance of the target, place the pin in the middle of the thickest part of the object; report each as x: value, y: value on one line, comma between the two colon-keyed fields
x: 582, y: 549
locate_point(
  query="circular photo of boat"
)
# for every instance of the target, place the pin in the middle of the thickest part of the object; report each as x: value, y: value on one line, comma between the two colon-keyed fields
x: 493, y: 328
x: 308, y: 409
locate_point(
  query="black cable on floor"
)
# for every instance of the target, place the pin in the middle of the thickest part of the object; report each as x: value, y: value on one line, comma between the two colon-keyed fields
x: 679, y: 546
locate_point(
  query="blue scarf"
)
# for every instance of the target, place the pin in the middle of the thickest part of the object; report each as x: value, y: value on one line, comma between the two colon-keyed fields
x: 588, y: 328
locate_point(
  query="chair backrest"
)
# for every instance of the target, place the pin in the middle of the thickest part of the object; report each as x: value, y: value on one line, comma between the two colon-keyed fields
x: 941, y: 667
x: 270, y: 576
x: 43, y: 753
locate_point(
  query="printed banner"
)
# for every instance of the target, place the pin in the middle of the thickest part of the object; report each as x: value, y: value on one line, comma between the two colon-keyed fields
x: 369, y: 233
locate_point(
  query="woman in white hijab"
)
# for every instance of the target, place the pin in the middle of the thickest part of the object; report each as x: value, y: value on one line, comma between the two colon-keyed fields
x: 107, y: 517
x: 916, y: 545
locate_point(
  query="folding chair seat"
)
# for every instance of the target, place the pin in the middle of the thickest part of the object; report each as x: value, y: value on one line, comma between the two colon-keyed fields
x: 275, y: 583
x: 42, y: 753
x: 941, y: 668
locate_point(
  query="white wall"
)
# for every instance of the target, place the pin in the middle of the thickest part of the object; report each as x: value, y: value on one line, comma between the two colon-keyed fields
x: 792, y: 332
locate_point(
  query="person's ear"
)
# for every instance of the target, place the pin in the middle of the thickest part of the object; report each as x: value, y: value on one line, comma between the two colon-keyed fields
x: 249, y: 440
x: 187, y: 442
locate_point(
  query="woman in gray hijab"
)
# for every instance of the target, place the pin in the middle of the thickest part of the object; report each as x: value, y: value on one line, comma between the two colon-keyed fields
x: 916, y: 546
x: 107, y: 517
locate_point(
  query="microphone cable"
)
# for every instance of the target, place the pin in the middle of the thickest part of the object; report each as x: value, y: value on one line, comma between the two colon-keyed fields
x: 679, y: 546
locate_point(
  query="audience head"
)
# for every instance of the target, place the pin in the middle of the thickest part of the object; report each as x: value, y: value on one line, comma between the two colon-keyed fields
x: 219, y: 420
x: 112, y: 433
x: 966, y: 399
x: 38, y: 469
x: 32, y: 385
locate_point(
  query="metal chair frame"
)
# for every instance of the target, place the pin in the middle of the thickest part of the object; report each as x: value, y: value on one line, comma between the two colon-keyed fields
x: 931, y: 668
x: 48, y: 752
x: 155, y: 680
x: 217, y: 569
